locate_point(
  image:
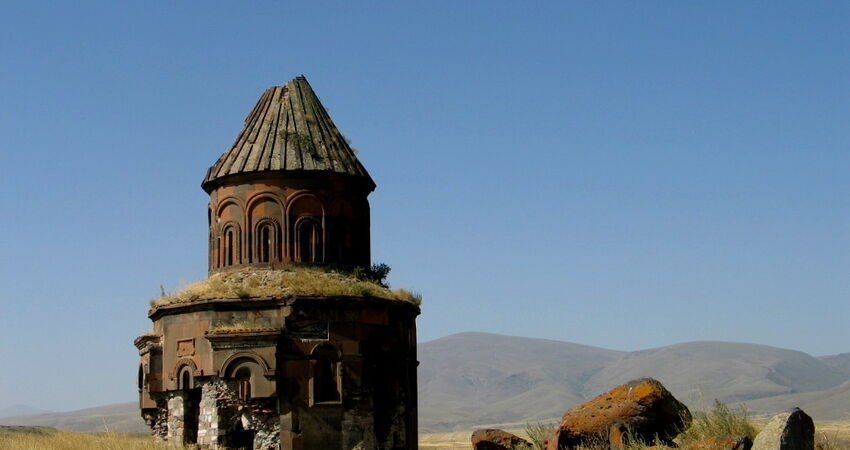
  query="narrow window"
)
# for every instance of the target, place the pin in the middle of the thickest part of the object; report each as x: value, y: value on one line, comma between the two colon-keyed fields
x: 229, y: 249
x: 265, y: 243
x: 243, y: 383
x: 308, y: 242
x: 325, y: 387
x: 326, y: 375
x: 185, y: 380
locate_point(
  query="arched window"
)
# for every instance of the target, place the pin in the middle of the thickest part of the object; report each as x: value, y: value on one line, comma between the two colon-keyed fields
x: 308, y: 241
x: 184, y: 381
x: 243, y: 382
x: 325, y: 382
x: 266, y: 242
x: 228, y: 247
x: 247, y: 377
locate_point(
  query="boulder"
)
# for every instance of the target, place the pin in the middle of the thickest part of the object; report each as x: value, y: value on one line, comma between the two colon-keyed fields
x: 493, y: 439
x: 641, y: 409
x: 722, y: 443
x: 793, y: 430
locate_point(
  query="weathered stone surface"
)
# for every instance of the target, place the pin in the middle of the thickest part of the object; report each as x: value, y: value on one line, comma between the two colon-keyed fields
x: 723, y: 443
x: 793, y: 430
x: 641, y: 408
x: 494, y: 439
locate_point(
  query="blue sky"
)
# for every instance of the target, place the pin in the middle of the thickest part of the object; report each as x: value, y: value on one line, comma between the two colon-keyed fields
x: 620, y: 174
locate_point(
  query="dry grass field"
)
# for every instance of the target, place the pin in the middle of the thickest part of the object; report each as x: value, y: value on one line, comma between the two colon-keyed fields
x: 833, y: 434
x: 36, y: 438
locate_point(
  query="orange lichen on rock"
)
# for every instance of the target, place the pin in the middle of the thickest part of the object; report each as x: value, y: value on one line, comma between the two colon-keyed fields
x: 641, y: 409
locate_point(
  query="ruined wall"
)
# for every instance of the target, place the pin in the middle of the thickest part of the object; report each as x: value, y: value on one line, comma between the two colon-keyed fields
x: 335, y: 373
x: 376, y: 352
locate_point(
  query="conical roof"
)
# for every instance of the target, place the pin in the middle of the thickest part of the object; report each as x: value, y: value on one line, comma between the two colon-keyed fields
x: 288, y: 130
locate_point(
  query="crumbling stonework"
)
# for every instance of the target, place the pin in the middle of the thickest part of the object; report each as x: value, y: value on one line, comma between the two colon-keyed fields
x: 285, y: 371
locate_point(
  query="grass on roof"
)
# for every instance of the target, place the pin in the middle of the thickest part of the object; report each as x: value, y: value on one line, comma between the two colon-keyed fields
x: 290, y: 281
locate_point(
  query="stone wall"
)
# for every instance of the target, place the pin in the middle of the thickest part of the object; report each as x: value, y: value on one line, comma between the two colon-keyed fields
x: 222, y: 413
x: 176, y: 411
x: 157, y: 419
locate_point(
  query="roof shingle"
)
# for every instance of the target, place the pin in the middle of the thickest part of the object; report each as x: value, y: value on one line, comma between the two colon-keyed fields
x: 288, y: 130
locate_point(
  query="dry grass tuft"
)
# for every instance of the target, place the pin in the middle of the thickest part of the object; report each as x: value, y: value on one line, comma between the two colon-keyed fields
x: 69, y: 440
x: 720, y: 420
x: 295, y: 280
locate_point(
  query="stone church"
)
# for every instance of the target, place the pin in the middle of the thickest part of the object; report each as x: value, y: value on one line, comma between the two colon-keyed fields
x: 284, y: 345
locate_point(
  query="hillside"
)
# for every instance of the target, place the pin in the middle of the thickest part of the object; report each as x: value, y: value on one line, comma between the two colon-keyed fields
x: 841, y: 363
x: 489, y: 378
x: 123, y: 417
x: 699, y: 372
x: 476, y: 378
x: 830, y: 404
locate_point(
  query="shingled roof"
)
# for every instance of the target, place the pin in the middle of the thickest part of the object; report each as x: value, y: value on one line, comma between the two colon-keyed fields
x: 288, y: 130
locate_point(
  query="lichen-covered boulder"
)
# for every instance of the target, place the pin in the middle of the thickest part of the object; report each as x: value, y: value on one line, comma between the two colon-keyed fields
x: 722, y: 443
x: 641, y: 409
x: 793, y: 430
x: 494, y: 439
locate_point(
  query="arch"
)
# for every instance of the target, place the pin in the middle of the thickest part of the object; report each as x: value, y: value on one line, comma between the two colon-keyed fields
x: 326, y: 374
x: 256, y: 197
x: 230, y: 246
x: 231, y: 362
x: 266, y: 241
x: 185, y: 379
x: 247, y: 372
x: 292, y: 203
x: 184, y: 365
x: 224, y: 202
x: 304, y: 204
x: 326, y: 350
x: 308, y: 240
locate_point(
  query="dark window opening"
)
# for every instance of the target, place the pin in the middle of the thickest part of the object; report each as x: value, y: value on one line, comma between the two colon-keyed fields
x: 242, y: 438
x: 185, y: 380
x: 228, y: 261
x: 192, y: 411
x: 308, y: 239
x: 265, y: 243
x: 243, y: 383
x: 325, y: 388
x: 141, y: 381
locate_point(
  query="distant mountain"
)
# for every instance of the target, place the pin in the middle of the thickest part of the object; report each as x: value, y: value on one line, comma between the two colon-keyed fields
x: 471, y: 379
x: 489, y: 378
x: 841, y: 363
x: 476, y: 378
x: 19, y: 410
x: 117, y: 417
x: 830, y: 404
x: 699, y: 372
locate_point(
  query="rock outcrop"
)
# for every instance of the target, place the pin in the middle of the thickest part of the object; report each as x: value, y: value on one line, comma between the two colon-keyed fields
x: 793, y: 430
x: 494, y: 439
x: 641, y: 409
